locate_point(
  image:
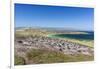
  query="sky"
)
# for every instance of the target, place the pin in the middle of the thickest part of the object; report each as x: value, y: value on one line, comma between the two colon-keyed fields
x: 31, y: 15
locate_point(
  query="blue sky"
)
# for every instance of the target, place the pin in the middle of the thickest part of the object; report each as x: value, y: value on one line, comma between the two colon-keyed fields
x: 27, y: 15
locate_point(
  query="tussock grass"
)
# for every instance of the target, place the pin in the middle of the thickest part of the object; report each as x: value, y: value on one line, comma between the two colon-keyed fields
x: 41, y: 56
x: 19, y: 60
x: 45, y: 56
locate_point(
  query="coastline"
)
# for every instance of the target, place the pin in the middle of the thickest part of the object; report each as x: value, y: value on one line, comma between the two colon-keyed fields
x: 71, y: 40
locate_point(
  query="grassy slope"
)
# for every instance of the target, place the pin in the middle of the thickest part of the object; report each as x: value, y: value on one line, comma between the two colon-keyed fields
x: 19, y: 60
x: 45, y: 56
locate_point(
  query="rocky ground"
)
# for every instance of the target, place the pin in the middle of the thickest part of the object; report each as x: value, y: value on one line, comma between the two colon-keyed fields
x: 22, y: 45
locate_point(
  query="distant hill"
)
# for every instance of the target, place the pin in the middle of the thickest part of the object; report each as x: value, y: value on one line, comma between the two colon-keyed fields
x: 54, y: 29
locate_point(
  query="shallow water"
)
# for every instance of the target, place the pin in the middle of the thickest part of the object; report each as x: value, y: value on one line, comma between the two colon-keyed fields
x: 89, y: 36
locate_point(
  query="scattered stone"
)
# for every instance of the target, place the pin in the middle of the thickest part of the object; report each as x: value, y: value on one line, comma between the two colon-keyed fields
x: 53, y: 44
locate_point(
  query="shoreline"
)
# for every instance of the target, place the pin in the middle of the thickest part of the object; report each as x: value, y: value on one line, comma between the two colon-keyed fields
x: 70, y: 40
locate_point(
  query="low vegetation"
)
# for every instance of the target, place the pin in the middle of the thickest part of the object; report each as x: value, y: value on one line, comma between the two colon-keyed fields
x: 19, y: 60
x: 38, y: 56
x: 45, y: 56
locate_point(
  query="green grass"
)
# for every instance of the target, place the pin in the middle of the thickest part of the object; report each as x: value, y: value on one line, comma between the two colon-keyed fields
x: 19, y: 60
x: 45, y: 56
x: 38, y: 56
